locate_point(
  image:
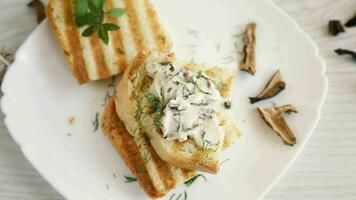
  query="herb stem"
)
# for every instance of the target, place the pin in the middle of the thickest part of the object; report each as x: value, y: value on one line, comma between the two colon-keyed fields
x: 192, y: 180
x: 174, y: 194
x: 3, y: 59
x: 130, y: 179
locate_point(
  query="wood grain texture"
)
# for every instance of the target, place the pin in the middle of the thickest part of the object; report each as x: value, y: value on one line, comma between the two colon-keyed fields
x: 325, y: 170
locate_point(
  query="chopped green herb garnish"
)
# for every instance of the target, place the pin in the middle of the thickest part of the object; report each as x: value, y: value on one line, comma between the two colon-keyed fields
x: 192, y: 180
x: 106, y: 98
x: 95, y: 122
x: 185, y: 195
x: 90, y: 13
x: 155, y: 102
x: 157, y: 122
x: 130, y: 179
x: 179, y: 196
x: 220, y: 85
x: 171, y: 197
x: 227, y: 104
x: 222, y: 162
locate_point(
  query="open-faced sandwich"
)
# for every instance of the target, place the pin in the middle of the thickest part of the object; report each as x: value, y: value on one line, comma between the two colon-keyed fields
x: 168, y: 118
x: 175, y: 116
x: 91, y: 59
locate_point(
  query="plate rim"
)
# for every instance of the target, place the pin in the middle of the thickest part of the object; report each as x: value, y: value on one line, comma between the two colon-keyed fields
x: 69, y: 195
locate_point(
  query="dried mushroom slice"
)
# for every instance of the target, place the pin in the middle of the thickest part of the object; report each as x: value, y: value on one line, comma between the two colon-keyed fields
x: 346, y: 52
x: 273, y: 87
x: 274, y: 119
x: 39, y: 8
x: 248, y: 61
x: 335, y: 27
x: 351, y: 22
x: 6, y: 59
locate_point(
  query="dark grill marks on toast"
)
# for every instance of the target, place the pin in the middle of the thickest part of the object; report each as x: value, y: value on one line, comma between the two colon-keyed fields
x: 161, y: 39
x: 128, y: 148
x: 117, y: 39
x: 79, y: 66
x: 99, y: 57
x: 135, y: 29
x: 163, y: 168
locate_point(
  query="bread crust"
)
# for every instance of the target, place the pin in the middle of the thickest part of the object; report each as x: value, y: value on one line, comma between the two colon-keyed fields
x: 155, y: 176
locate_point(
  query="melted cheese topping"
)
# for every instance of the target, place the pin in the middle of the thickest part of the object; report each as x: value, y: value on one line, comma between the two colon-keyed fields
x: 191, y: 104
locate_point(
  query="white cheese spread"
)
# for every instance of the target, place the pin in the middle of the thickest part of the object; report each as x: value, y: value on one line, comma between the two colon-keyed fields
x: 191, y: 103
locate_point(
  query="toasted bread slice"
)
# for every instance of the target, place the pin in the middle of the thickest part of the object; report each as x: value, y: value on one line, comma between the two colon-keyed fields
x: 89, y: 58
x: 184, y: 154
x: 154, y: 175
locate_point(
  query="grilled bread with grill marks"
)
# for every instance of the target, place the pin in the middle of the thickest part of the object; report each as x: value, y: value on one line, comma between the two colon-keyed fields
x: 185, y: 154
x: 89, y: 58
x: 154, y: 175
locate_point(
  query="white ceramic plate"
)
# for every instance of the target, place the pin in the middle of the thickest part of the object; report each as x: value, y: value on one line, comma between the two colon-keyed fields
x: 40, y: 96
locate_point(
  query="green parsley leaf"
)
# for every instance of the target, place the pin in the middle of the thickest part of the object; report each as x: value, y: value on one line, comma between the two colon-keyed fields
x: 93, y: 8
x: 89, y: 31
x: 81, y: 7
x: 94, y: 20
x: 111, y: 27
x: 91, y: 13
x: 116, y: 12
x: 82, y: 20
x: 103, y: 34
x: 99, y: 4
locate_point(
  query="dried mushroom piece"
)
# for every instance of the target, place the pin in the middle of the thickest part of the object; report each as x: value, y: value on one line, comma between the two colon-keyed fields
x: 346, y: 52
x: 335, y: 27
x: 39, y: 8
x: 248, y: 62
x: 274, y: 119
x: 6, y: 59
x: 351, y: 22
x: 273, y: 87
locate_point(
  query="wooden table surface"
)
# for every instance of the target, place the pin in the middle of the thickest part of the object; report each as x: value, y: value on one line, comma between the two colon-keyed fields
x: 326, y: 169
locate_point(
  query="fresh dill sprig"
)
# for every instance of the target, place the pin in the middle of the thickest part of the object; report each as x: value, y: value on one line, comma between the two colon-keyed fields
x: 146, y: 158
x: 106, y: 98
x: 220, y: 85
x: 157, y: 122
x: 171, y: 197
x: 185, y: 195
x: 179, y: 196
x: 156, y: 103
x: 198, y: 76
x: 91, y: 13
x: 95, y: 122
x: 222, y: 162
x: 130, y: 179
x: 192, y: 180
